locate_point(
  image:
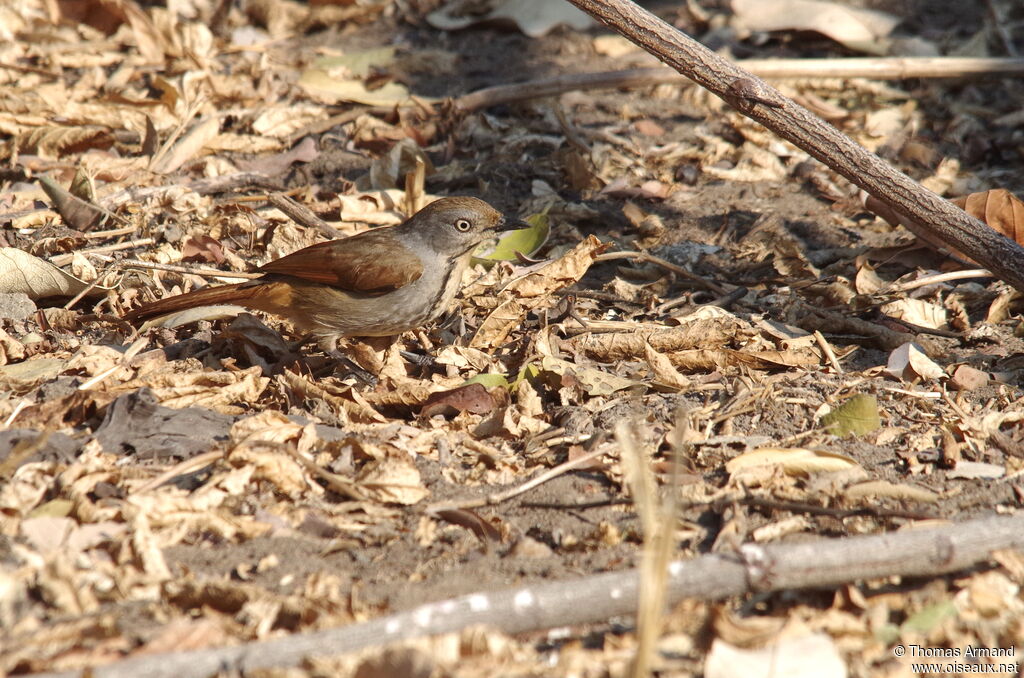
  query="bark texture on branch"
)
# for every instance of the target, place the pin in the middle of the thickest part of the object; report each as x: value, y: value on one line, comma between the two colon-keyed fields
x: 758, y: 100
x: 814, y: 564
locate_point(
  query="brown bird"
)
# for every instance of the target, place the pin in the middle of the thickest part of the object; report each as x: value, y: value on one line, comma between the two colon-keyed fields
x: 373, y: 284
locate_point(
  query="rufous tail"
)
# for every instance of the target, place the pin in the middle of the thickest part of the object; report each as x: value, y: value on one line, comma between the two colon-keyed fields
x: 259, y: 295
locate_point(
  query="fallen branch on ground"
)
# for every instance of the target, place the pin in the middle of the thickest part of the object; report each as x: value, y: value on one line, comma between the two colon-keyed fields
x: 821, y: 563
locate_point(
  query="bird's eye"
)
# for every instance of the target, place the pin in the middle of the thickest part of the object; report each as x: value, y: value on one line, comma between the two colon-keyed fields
x: 462, y: 225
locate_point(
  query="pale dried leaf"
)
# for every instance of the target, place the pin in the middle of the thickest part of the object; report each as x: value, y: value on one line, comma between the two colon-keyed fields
x: 909, y: 362
x: 392, y: 480
x: 22, y: 272
x: 793, y: 460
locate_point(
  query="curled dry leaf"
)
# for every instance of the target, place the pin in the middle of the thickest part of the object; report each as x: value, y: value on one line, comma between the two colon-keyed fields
x: 11, y: 350
x: 970, y: 470
x: 220, y: 391
x: 533, y: 290
x: 882, y: 488
x: 917, y: 312
x: 859, y: 29
x: 319, y: 83
x: 188, y: 147
x: 269, y: 426
x: 281, y: 121
x: 813, y: 654
x: 392, y: 480
x: 344, y: 400
x: 909, y: 362
x: 701, y: 335
x: 967, y: 378
x: 51, y: 141
x: 559, y: 273
x: 664, y: 371
x: 998, y: 208
x: 795, y: 461
x: 594, y: 381
x: 78, y: 211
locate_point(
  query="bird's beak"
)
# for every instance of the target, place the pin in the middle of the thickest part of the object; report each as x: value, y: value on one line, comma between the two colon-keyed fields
x: 510, y: 224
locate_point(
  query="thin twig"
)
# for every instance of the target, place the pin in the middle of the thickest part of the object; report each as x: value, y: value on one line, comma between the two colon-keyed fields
x: 113, y: 233
x: 667, y: 265
x: 500, y: 497
x: 64, y: 259
x: 940, y: 278
x: 88, y: 288
x: 1000, y: 27
x: 187, y: 466
x: 883, y: 68
x: 302, y: 215
x: 827, y: 350
x: 185, y: 270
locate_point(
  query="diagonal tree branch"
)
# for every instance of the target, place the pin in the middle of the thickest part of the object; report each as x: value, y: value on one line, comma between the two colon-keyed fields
x: 759, y: 101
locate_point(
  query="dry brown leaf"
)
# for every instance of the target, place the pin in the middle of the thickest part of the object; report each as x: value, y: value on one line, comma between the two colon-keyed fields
x: 345, y: 400
x: 55, y: 141
x: 593, y: 381
x: 908, y: 362
x: 392, y: 480
x: 321, y: 85
x: 859, y: 29
x: 811, y: 654
x: 273, y: 466
x: 559, y: 273
x: 703, y: 334
x: 270, y: 426
x: 532, y: 290
x: 867, y: 280
x: 533, y: 17
x: 664, y: 371
x: 217, y: 390
x: 1000, y: 209
x: 403, y: 395
x: 188, y: 147
x: 11, y: 350
x: 281, y: 121
x: 917, y: 312
x: 472, y: 398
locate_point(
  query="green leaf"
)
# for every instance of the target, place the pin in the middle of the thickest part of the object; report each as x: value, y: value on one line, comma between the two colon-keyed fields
x: 526, y: 241
x: 490, y: 380
x: 857, y: 416
x: 55, y: 508
x: 923, y: 621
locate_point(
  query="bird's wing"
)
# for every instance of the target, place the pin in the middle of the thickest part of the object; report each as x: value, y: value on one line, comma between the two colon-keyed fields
x: 372, y: 261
